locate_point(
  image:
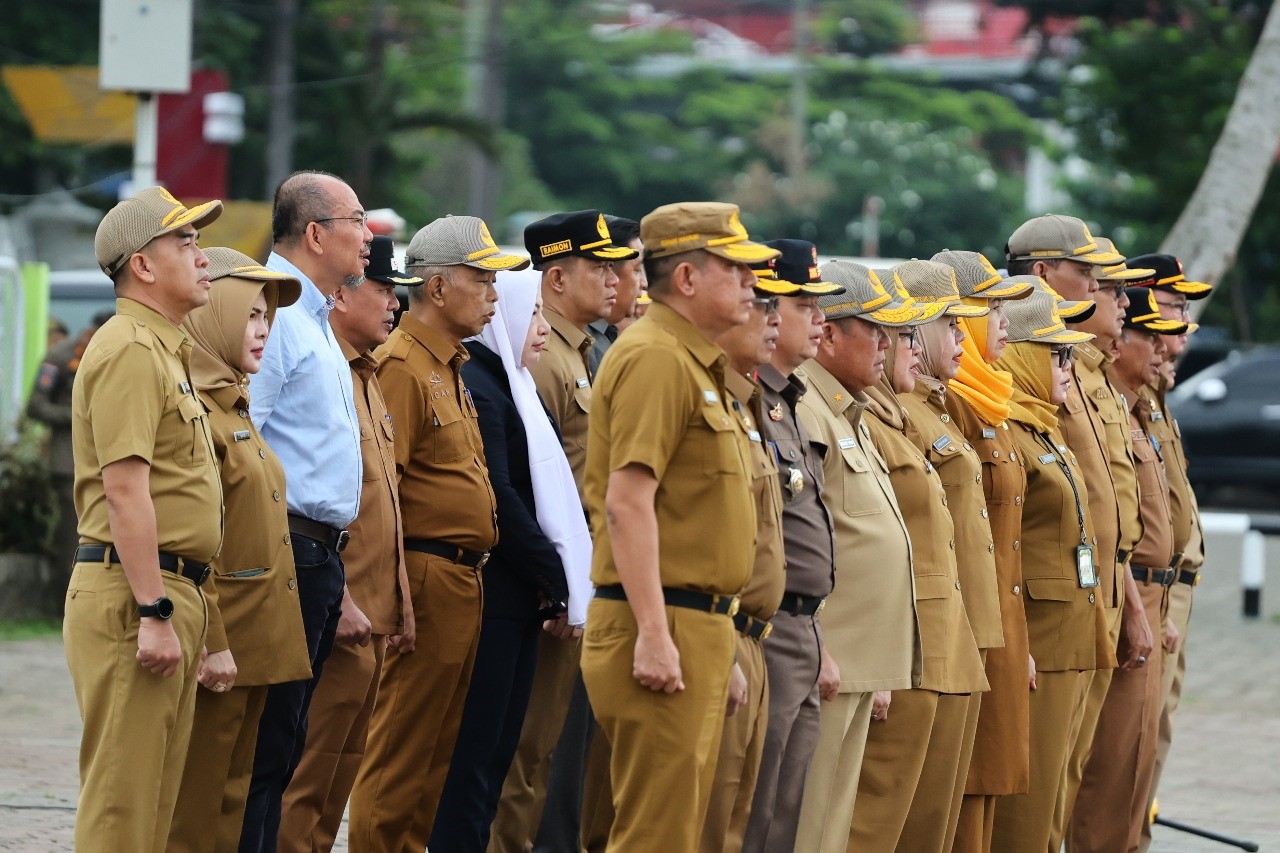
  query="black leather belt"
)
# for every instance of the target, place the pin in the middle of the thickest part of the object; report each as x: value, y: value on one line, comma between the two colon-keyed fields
x: 452, y: 553
x: 1164, y: 577
x: 750, y: 626
x: 1191, y: 577
x: 195, y: 572
x: 802, y: 605
x: 300, y: 525
x: 724, y: 605
x: 1122, y: 555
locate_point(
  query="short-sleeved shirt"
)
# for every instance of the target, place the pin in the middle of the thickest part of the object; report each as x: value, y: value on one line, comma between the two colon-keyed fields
x: 660, y: 402
x: 374, y: 559
x: 960, y: 470
x: 564, y: 383
x: 444, y: 483
x: 133, y: 396
x: 252, y: 595
x: 868, y: 623
x: 806, y: 525
x: 763, y: 593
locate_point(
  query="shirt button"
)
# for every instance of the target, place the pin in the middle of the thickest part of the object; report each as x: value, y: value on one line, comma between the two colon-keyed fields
x: 995, y: 454
x: 275, y: 496
x: 1013, y: 456
x: 244, y: 413
x: 1017, y: 590
x: 791, y: 454
x: 978, y: 478
x: 1091, y: 598
x: 1016, y: 544
x: 985, y: 514
x: 262, y: 453
x: 957, y: 584
x: 1017, y: 500
x: 991, y: 547
x: 286, y: 539
x: 944, y: 501
x: 293, y: 584
x: 952, y: 544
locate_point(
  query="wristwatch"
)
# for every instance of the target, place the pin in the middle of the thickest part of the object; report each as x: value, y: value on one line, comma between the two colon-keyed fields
x: 161, y: 608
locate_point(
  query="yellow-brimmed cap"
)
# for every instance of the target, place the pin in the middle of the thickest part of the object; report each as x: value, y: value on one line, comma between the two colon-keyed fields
x: 459, y: 241
x: 1144, y: 313
x: 797, y: 266
x: 712, y: 226
x: 1167, y: 274
x: 932, y: 283
x: 1036, y: 319
x: 1057, y: 236
x: 136, y: 221
x: 865, y: 296
x: 224, y: 263
x: 977, y: 278
x: 1071, y: 310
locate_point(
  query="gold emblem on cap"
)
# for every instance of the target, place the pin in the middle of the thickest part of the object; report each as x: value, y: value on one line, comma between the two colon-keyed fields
x: 602, y: 228
x: 485, y: 235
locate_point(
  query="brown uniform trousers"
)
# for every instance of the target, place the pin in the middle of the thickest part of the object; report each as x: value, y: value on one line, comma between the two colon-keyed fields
x: 1001, y: 761
x: 868, y: 623
x: 1111, y: 806
x: 1063, y: 624
x: 137, y: 725
x: 312, y: 807
x: 253, y: 611
x: 445, y: 496
x: 563, y: 377
x: 911, y: 759
x: 1096, y: 425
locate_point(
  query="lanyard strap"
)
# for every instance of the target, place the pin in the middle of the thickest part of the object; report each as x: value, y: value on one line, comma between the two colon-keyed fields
x: 1066, y: 469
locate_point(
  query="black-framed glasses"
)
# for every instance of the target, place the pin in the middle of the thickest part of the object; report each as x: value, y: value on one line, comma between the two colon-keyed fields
x: 1065, y: 354
x: 766, y: 304
x: 911, y: 336
x: 1182, y: 309
x: 1114, y: 288
x: 360, y: 220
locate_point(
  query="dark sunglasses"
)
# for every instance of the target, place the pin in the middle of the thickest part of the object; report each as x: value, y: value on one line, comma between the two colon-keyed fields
x: 1065, y: 354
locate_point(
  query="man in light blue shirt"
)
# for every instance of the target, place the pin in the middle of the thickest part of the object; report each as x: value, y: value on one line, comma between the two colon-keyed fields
x: 302, y: 403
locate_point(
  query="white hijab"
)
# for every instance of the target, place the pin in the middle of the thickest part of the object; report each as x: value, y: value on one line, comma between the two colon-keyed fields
x: 555, y: 495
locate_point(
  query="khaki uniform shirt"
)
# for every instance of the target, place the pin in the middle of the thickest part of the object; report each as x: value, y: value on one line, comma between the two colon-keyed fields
x: 960, y: 470
x: 444, y: 484
x: 951, y: 663
x: 564, y: 383
x: 1098, y: 392
x: 1063, y: 618
x: 869, y: 621
x: 763, y: 593
x: 1188, y: 538
x: 1155, y: 549
x: 661, y: 402
x: 806, y: 525
x: 252, y: 595
x: 133, y: 397
x: 374, y: 559
x: 50, y: 404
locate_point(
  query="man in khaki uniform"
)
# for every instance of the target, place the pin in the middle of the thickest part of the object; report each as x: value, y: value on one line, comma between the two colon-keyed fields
x: 868, y: 623
x: 667, y: 453
x: 376, y: 613
x: 576, y: 255
x: 450, y: 522
x: 149, y: 501
x: 1112, y: 802
x: 1172, y: 290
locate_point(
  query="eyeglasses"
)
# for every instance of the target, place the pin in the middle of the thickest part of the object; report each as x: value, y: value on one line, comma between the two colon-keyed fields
x: 766, y: 304
x: 1112, y: 288
x: 1181, y: 308
x: 1065, y: 355
x: 911, y: 336
x: 360, y: 220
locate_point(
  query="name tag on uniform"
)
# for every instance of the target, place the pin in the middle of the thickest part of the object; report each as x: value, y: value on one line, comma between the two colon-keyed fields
x: 1157, y: 416
x: 846, y: 443
x: 240, y: 435
x: 184, y: 387
x: 988, y: 432
x: 583, y: 382
x: 1062, y: 448
x: 710, y: 397
x: 942, y: 443
x: 1047, y: 459
x: 753, y: 435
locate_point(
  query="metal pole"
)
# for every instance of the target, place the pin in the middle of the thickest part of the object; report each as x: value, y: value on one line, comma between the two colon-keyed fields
x: 146, y: 136
x: 1253, y: 570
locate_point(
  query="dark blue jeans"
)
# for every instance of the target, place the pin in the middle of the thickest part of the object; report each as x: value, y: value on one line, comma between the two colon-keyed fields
x: 492, y: 718
x: 282, y: 731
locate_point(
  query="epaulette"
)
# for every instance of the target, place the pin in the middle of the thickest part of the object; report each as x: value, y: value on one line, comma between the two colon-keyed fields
x: 398, y: 346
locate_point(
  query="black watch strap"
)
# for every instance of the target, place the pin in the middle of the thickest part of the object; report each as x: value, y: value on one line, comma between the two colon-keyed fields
x: 161, y: 608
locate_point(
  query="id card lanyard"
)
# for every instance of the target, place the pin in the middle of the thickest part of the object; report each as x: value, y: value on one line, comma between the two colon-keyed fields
x: 1086, y: 570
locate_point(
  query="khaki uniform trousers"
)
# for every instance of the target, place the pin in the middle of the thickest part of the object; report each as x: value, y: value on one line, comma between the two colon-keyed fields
x: 524, y: 792
x: 1023, y: 822
x: 215, y: 783
x: 891, y: 765
x: 739, y: 761
x: 1179, y: 614
x: 1099, y: 684
x: 927, y: 820
x: 976, y: 824
x: 832, y: 788
x: 415, y: 722
x: 311, y: 812
x: 1112, y: 804
x: 137, y: 725
x: 664, y: 745
x: 597, y: 796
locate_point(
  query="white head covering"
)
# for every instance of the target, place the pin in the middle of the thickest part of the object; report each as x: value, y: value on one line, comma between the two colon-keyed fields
x: 555, y: 495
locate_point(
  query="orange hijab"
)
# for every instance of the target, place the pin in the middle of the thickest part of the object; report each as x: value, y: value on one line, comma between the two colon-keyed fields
x: 985, y: 388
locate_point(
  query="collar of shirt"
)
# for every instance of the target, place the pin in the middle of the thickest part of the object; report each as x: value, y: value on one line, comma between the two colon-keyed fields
x: 837, y: 397
x: 316, y: 303
x: 790, y: 388
x: 741, y: 387
x: 437, y: 343
x: 1132, y: 399
x: 690, y: 336
x: 171, y: 337
x: 602, y: 328
x: 362, y: 363
x: 573, y: 336
x: 1093, y: 358
x: 230, y: 397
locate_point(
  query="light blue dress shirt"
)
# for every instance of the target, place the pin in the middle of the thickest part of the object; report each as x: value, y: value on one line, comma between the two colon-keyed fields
x: 302, y: 402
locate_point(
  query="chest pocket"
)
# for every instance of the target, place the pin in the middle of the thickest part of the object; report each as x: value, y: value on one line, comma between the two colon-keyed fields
x: 448, y: 435
x: 582, y: 402
x: 1143, y: 452
x: 192, y: 448
x: 720, y: 451
x: 1001, y: 478
x: 861, y: 492
x: 954, y: 468
x: 369, y: 457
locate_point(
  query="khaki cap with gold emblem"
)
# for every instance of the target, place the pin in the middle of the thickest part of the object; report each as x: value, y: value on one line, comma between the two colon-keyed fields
x: 1072, y: 310
x: 1057, y: 236
x: 712, y: 226
x: 1119, y: 271
x: 224, y: 262
x: 865, y: 296
x: 135, y: 222
x: 1036, y: 319
x: 933, y: 285
x: 977, y: 278
x: 459, y: 241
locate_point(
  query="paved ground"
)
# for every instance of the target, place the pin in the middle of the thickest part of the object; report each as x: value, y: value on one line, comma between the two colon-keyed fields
x: 1223, y: 773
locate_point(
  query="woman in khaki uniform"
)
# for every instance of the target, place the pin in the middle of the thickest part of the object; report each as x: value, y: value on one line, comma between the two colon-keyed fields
x: 1059, y: 568
x: 255, y: 620
x: 914, y: 747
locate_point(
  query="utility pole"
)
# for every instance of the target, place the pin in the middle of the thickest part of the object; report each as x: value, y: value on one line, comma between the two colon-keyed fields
x: 485, y: 100
x: 799, y: 91
x: 281, y: 126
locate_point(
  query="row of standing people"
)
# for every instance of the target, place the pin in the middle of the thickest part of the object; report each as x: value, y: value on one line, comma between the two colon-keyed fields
x: 443, y: 466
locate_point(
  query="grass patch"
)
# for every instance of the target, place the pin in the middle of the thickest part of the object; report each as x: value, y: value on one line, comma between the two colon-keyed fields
x: 30, y: 629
